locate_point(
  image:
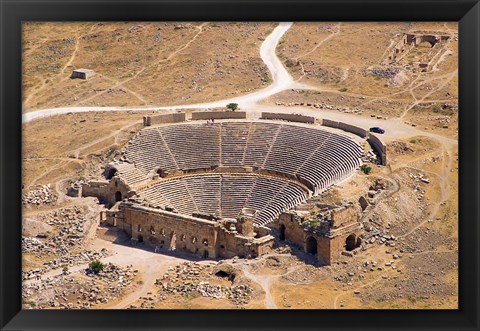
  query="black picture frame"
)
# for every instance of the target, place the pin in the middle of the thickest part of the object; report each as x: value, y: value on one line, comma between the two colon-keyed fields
x: 14, y: 12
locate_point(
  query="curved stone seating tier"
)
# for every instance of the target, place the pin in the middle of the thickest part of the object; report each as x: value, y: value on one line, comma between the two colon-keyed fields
x: 318, y: 157
x: 226, y: 195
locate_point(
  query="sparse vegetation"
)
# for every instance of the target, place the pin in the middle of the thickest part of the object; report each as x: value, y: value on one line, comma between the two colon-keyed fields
x: 366, y: 169
x: 343, y: 89
x: 266, y: 79
x: 96, y: 266
x: 232, y: 106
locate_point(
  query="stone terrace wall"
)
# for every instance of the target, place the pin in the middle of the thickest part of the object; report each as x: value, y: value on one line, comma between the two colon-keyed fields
x: 346, y: 127
x: 379, y: 147
x: 218, y: 115
x: 331, y: 124
x: 163, y: 119
x: 353, y: 129
x: 288, y: 117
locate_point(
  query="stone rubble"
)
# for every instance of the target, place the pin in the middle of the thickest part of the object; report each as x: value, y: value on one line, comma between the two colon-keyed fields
x: 41, y: 196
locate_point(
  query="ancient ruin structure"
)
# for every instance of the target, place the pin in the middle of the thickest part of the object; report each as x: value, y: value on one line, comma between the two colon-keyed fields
x: 82, y: 73
x: 326, y: 234
x: 400, y: 53
x: 212, y: 189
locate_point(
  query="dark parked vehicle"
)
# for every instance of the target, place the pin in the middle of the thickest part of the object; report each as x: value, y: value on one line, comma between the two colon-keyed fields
x: 376, y: 129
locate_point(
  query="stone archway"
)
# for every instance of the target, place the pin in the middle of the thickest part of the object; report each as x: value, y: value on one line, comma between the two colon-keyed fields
x: 312, y: 245
x: 282, y: 232
x: 351, y: 242
x: 118, y: 196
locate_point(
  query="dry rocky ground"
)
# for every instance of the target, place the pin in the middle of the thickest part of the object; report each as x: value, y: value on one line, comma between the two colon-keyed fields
x: 141, y: 64
x: 345, y: 62
x: 409, y: 254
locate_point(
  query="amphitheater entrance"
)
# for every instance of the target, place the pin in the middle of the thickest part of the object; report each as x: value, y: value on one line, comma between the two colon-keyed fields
x: 351, y: 243
x: 140, y: 239
x: 282, y: 232
x: 118, y: 196
x: 205, y: 254
x: 312, y: 245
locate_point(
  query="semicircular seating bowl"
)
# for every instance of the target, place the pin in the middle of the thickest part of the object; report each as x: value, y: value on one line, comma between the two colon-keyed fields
x: 312, y: 156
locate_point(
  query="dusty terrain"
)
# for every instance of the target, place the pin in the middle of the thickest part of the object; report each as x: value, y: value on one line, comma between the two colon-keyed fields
x: 348, y: 66
x: 140, y: 64
x: 409, y: 259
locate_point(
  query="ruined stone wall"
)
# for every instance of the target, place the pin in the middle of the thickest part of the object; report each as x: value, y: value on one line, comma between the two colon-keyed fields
x: 189, y: 234
x: 324, y: 249
x: 163, y: 119
x: 106, y: 191
x: 288, y: 117
x: 379, y: 147
x: 344, y: 217
x: 293, y: 232
x: 218, y: 115
x: 172, y: 231
x: 330, y: 245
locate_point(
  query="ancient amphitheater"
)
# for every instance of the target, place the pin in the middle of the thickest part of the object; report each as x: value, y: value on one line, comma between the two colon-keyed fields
x: 215, y: 189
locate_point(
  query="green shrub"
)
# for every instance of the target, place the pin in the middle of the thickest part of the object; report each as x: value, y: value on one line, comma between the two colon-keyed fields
x: 289, y: 63
x: 343, y: 89
x: 365, y: 169
x: 96, y: 266
x: 232, y: 106
x: 266, y: 79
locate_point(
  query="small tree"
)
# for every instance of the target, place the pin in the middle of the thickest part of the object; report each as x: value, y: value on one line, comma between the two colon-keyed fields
x: 232, y: 106
x: 96, y: 266
x: 365, y: 169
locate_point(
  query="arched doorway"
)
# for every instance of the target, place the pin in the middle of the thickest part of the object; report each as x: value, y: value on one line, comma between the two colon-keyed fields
x: 312, y: 245
x: 282, y: 232
x: 118, y: 196
x: 140, y: 239
x: 350, y: 243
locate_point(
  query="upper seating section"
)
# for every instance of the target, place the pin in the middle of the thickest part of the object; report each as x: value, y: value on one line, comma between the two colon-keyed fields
x: 316, y: 157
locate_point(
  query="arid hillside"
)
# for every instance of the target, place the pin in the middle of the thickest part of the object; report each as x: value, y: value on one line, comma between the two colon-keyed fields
x: 140, y: 64
x: 371, y: 69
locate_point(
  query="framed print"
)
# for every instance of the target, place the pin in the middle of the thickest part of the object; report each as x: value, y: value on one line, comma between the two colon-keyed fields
x: 239, y: 165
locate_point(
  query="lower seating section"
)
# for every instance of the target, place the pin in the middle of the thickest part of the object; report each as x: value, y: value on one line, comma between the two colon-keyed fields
x: 226, y: 195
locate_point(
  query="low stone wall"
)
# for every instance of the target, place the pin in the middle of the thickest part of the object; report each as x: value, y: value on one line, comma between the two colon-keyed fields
x: 288, y: 117
x: 353, y: 129
x: 345, y: 127
x: 330, y: 123
x: 379, y: 147
x: 218, y: 115
x: 163, y: 119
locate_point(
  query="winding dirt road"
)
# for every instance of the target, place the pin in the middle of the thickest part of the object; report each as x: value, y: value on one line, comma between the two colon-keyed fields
x: 281, y: 81
x: 251, y: 103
